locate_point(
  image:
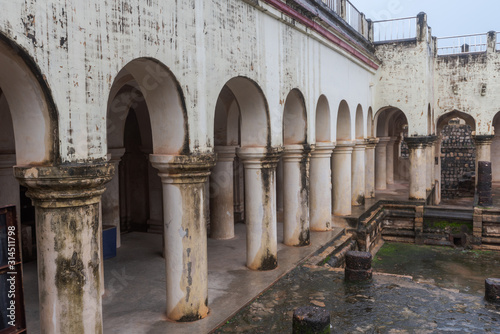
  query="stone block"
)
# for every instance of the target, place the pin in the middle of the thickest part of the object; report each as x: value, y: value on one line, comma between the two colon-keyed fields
x: 311, y: 319
x: 358, y: 260
x: 358, y: 275
x: 492, y: 290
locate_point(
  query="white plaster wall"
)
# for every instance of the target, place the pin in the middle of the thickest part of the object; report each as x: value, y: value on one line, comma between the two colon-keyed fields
x: 81, y: 46
x: 465, y: 74
x: 404, y: 81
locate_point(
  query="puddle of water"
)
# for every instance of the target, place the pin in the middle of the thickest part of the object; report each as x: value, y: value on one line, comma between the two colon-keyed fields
x: 463, y: 270
x: 387, y: 304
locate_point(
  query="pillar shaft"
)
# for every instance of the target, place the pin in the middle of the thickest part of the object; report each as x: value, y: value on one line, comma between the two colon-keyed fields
x: 260, y: 206
x: 390, y: 160
x: 296, y: 195
x: 418, y: 169
x: 483, y: 149
x: 341, y: 178
x: 222, y: 193
x: 68, y: 233
x: 183, y: 181
x: 371, y: 143
x: 381, y: 163
x: 358, y: 174
x: 321, y: 187
x: 429, y: 156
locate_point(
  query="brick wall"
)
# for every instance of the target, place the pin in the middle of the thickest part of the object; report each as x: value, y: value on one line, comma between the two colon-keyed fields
x: 458, y: 156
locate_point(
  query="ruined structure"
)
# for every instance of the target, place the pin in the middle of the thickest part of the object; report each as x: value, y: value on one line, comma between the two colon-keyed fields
x: 199, y: 114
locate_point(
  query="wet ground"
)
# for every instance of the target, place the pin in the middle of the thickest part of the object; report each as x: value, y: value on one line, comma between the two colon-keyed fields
x: 389, y: 303
x: 463, y: 270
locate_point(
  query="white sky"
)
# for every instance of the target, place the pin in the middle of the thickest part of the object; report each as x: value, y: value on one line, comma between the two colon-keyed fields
x: 445, y: 17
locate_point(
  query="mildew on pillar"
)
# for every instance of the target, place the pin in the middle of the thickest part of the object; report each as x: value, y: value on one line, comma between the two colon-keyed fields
x: 358, y: 173
x: 371, y: 143
x: 185, y: 218
x: 260, y: 206
x: 296, y: 160
x: 67, y: 199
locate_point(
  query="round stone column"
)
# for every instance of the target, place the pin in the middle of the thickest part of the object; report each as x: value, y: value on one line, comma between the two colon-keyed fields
x: 341, y: 178
x: 296, y: 195
x: 183, y: 181
x: 483, y: 148
x: 260, y: 206
x: 429, y: 156
x: 111, y: 197
x: 358, y: 174
x: 418, y: 169
x: 390, y: 160
x: 321, y: 187
x: 371, y: 143
x: 381, y: 163
x: 66, y: 200
x: 222, y: 193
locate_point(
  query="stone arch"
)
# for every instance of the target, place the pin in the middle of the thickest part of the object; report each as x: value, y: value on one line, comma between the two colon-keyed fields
x: 359, y: 123
x: 369, y: 123
x: 323, y: 120
x: 343, y: 122
x: 152, y: 82
x: 294, y: 119
x: 33, y: 111
x: 382, y: 122
x: 253, y: 112
x: 445, y: 118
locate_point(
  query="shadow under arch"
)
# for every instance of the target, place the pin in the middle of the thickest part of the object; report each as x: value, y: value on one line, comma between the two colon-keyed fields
x: 383, y: 124
x: 34, y: 113
x: 323, y: 120
x: 294, y: 119
x: 343, y: 122
x: 359, y: 128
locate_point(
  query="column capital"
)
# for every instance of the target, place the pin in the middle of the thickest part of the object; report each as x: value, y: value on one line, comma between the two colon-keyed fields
x: 65, y: 186
x: 225, y: 153
x: 371, y: 142
x: 483, y: 139
x: 260, y: 157
x: 418, y: 141
x: 360, y: 144
x: 297, y: 152
x: 323, y: 150
x: 183, y: 168
x: 383, y: 141
x: 344, y: 147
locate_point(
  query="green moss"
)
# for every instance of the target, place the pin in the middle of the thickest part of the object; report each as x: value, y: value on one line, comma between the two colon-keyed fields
x: 454, y: 226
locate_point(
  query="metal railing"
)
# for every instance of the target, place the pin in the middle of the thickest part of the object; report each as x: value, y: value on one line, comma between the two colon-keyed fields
x: 462, y: 44
x: 333, y: 5
x: 353, y: 16
x: 395, y: 29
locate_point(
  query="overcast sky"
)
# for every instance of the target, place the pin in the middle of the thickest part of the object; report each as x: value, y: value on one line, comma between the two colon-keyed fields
x: 446, y: 17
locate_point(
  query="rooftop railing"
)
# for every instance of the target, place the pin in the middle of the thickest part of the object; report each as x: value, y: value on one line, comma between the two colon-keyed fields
x: 462, y: 44
x: 353, y: 16
x: 395, y: 29
x: 333, y: 5
x: 349, y: 13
